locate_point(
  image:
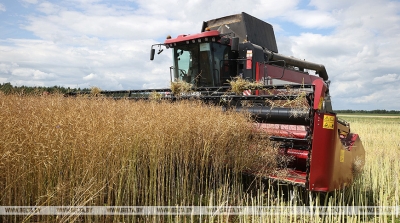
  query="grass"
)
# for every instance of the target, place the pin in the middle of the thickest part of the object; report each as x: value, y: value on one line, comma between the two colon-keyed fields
x: 379, y: 185
x: 238, y: 85
x: 179, y: 87
x: 99, y: 152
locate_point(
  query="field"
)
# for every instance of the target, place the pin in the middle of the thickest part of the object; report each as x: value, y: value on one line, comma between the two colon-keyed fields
x: 362, y: 115
x: 58, y: 151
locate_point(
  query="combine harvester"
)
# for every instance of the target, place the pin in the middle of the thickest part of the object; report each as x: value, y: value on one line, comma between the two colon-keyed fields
x: 291, y: 105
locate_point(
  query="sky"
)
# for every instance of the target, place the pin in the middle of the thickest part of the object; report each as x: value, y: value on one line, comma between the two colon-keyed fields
x: 106, y: 43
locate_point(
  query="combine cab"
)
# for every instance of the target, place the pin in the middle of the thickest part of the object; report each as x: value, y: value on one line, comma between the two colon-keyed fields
x: 292, y: 104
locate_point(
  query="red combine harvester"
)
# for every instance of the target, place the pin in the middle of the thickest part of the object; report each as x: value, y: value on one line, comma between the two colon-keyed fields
x: 293, y: 106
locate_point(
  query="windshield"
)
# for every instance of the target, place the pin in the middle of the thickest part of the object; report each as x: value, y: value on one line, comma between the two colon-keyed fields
x: 200, y: 63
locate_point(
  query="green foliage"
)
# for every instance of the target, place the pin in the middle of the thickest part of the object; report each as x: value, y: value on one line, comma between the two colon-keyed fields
x: 8, y: 88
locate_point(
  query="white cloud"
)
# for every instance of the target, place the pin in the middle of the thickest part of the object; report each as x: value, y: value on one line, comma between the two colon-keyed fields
x: 360, y: 54
x: 108, y: 64
x: 2, y: 7
x: 348, y: 76
x: 332, y: 5
x: 32, y: 73
x: 317, y: 46
x: 48, y: 8
x: 30, y: 1
x: 89, y: 77
x: 386, y: 97
x: 269, y: 9
x: 83, y: 43
x: 388, y: 78
x: 311, y: 18
x: 6, y: 68
x: 67, y: 24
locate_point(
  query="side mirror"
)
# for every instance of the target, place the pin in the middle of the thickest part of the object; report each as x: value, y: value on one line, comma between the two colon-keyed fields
x: 152, y: 52
x: 235, y: 44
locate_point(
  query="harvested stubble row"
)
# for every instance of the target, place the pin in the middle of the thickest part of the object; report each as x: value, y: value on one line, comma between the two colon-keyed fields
x: 99, y: 151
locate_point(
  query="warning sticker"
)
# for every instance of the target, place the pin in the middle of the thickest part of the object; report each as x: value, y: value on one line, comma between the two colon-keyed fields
x: 329, y: 122
x: 342, y: 155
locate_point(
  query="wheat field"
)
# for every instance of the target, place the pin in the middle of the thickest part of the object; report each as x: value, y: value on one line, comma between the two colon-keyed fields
x: 100, y: 152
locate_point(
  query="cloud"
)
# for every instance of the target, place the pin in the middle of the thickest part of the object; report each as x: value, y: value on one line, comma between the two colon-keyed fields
x: 83, y: 43
x: 386, y: 97
x: 332, y: 5
x: 49, y: 8
x: 30, y: 1
x: 388, y: 78
x: 2, y: 7
x: 91, y: 76
x: 112, y: 65
x: 317, y: 46
x: 148, y: 19
x: 31, y: 73
x: 17, y: 75
x: 5, y: 68
x: 66, y: 24
x: 311, y: 18
x: 24, y: 73
x: 360, y: 54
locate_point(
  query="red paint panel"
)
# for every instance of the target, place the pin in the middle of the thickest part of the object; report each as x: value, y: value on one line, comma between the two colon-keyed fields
x: 322, y: 155
x: 320, y: 89
x: 299, y: 154
x: 248, y: 63
x: 298, y: 158
x: 181, y: 38
x: 350, y: 140
x: 276, y: 72
x: 289, y: 75
x: 291, y: 131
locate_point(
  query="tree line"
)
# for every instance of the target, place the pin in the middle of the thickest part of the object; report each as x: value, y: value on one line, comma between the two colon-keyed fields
x: 8, y: 88
x: 377, y: 111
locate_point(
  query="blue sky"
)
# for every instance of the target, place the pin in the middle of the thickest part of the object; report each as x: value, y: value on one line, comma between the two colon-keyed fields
x: 84, y: 43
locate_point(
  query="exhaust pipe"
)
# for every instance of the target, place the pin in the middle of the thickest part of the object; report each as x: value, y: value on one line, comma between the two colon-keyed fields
x: 319, y: 68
